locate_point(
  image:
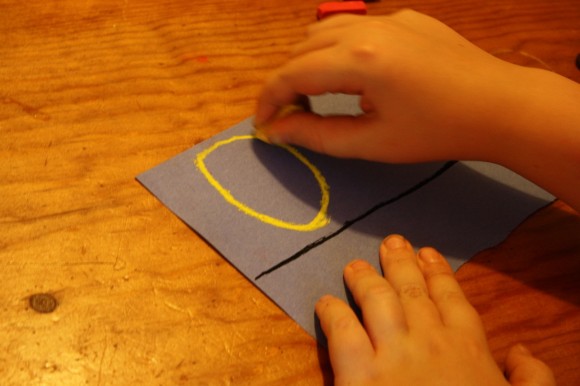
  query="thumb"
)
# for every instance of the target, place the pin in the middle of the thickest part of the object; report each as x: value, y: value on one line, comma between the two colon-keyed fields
x: 339, y: 136
x: 523, y: 369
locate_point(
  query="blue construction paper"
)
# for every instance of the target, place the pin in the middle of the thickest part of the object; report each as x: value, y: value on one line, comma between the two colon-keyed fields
x: 459, y: 208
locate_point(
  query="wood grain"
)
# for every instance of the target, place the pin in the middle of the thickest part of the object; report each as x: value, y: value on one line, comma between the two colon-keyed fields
x: 95, y: 92
x: 527, y: 290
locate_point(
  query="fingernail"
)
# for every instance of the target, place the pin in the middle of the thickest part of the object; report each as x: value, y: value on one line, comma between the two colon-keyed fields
x: 324, y: 298
x: 275, y: 139
x: 259, y: 134
x: 429, y: 255
x: 358, y: 265
x: 323, y: 302
x: 394, y: 242
x: 521, y: 349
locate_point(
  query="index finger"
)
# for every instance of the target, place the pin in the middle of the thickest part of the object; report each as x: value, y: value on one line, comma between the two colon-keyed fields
x: 315, y: 73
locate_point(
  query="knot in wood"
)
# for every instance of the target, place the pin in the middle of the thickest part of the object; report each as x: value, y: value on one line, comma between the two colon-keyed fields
x: 43, y: 303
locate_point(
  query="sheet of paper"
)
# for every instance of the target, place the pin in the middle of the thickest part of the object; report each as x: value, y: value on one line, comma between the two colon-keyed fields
x: 290, y: 219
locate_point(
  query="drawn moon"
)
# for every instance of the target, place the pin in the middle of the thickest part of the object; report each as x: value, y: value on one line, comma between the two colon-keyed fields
x: 321, y: 218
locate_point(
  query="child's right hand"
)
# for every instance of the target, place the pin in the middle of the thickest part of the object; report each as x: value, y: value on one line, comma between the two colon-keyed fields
x: 427, y: 93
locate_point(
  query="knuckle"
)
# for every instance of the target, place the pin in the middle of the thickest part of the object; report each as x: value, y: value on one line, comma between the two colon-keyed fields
x: 437, y: 272
x: 376, y: 24
x: 366, y: 52
x: 343, y: 323
x: 405, y: 12
x: 475, y: 347
x: 471, y: 346
x: 376, y: 291
x: 412, y: 291
x: 452, y: 296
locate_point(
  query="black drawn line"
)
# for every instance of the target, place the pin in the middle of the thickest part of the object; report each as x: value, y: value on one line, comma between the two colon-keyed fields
x: 349, y: 223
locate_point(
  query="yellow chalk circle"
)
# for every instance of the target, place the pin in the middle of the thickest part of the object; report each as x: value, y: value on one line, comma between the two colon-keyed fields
x: 321, y: 218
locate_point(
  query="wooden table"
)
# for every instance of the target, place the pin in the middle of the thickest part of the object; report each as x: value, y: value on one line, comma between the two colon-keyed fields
x: 95, y: 92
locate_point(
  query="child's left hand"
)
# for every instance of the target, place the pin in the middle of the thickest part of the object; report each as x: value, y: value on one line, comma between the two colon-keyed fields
x: 419, y: 329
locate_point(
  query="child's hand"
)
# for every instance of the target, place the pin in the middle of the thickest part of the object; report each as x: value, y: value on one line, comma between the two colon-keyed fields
x: 418, y: 328
x: 427, y: 93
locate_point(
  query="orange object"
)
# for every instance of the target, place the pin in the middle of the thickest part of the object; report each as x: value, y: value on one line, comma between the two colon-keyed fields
x: 328, y: 9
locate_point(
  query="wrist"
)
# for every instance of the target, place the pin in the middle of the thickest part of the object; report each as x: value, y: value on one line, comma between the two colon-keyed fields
x: 538, y: 132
